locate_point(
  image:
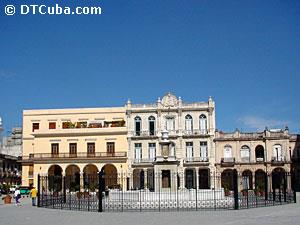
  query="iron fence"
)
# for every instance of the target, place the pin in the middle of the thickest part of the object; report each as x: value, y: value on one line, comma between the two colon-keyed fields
x: 163, y: 191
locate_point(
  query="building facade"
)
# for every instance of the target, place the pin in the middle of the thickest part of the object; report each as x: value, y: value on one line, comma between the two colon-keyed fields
x: 10, y: 157
x: 253, y: 155
x: 76, y: 143
x: 172, y: 140
x: 166, y: 145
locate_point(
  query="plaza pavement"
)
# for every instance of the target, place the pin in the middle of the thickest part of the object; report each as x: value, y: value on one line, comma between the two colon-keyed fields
x: 28, y: 215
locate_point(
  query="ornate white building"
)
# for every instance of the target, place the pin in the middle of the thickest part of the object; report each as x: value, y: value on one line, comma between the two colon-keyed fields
x: 171, y: 140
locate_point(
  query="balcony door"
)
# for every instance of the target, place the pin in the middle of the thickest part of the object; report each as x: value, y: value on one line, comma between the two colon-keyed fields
x: 110, y: 148
x: 189, y: 151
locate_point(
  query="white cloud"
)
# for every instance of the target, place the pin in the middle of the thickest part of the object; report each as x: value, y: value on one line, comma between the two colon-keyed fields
x: 260, y: 123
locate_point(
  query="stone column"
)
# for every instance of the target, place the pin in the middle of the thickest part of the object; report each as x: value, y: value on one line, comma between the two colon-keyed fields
x: 145, y: 178
x: 182, y: 181
x: 81, y: 182
x: 197, y: 177
x: 130, y: 180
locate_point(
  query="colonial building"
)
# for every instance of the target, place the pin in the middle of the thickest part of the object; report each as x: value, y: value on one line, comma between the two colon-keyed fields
x: 76, y: 143
x: 170, y: 140
x: 253, y: 155
x: 10, y: 156
x: 295, y: 154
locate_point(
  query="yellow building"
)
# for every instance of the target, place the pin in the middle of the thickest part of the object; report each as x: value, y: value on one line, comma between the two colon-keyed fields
x: 76, y: 143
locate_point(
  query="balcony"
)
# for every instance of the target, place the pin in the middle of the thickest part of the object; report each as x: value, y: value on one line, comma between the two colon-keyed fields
x: 195, y: 132
x: 195, y: 160
x: 227, y: 162
x: 143, y: 134
x: 278, y: 161
x: 260, y: 159
x: 79, y: 155
x: 143, y: 161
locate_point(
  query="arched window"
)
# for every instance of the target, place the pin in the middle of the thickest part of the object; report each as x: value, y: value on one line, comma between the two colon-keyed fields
x: 277, y: 153
x: 245, y: 153
x: 137, y: 125
x: 151, y: 120
x: 259, y: 153
x: 203, y: 124
x: 188, y: 123
x: 227, y: 152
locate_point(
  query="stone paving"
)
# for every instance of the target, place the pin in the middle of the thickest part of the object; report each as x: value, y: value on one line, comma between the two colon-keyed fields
x: 28, y: 215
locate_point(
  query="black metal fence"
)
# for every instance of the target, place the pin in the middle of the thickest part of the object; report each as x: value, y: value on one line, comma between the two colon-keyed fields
x: 161, y: 192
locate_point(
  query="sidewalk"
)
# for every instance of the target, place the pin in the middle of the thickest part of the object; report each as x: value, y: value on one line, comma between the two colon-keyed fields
x: 28, y: 215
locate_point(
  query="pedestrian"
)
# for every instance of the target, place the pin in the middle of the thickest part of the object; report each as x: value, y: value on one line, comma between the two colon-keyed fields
x: 33, y: 194
x: 17, y: 196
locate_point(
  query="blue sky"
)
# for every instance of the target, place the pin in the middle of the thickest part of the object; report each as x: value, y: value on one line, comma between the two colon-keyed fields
x: 245, y: 54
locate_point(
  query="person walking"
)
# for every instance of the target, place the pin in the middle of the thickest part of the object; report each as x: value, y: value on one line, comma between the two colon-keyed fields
x: 33, y: 194
x: 17, y: 196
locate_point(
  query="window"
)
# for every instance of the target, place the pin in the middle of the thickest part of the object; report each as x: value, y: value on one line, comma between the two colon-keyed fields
x: 110, y: 147
x: 152, y: 151
x: 137, y: 152
x: 188, y: 123
x: 259, y: 153
x: 138, y: 125
x: 245, y: 153
x: 170, y: 123
x: 203, y: 151
x: 30, y: 171
x: 277, y: 153
x: 298, y: 152
x: 52, y: 125
x: 91, y: 149
x: 35, y: 126
x: 203, y: 124
x: 54, y: 149
x: 73, y: 149
x: 189, y: 150
x: 152, y: 125
x: 227, y: 152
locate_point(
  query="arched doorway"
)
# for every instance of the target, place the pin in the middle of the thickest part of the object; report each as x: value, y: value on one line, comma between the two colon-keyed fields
x: 227, y: 180
x: 260, y: 182
x: 278, y: 179
x: 259, y: 153
x: 110, y: 174
x: 247, y: 180
x: 73, y: 178
x: 204, y: 179
x: 90, y: 177
x: 189, y: 178
x: 138, y: 179
x: 54, y: 178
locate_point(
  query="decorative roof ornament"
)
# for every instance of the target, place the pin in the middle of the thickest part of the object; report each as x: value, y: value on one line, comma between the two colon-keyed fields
x: 169, y: 100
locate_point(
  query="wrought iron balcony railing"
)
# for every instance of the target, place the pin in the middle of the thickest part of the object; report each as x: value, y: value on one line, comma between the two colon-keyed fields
x: 143, y: 133
x: 78, y: 155
x: 195, y: 132
x: 196, y: 159
x: 228, y: 160
x: 147, y: 160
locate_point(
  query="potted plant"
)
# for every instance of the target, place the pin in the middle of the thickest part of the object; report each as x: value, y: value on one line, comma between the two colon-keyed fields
x: 7, y: 199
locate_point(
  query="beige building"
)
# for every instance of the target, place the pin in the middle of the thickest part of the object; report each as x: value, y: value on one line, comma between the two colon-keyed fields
x: 253, y: 155
x: 76, y: 143
x: 170, y: 143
